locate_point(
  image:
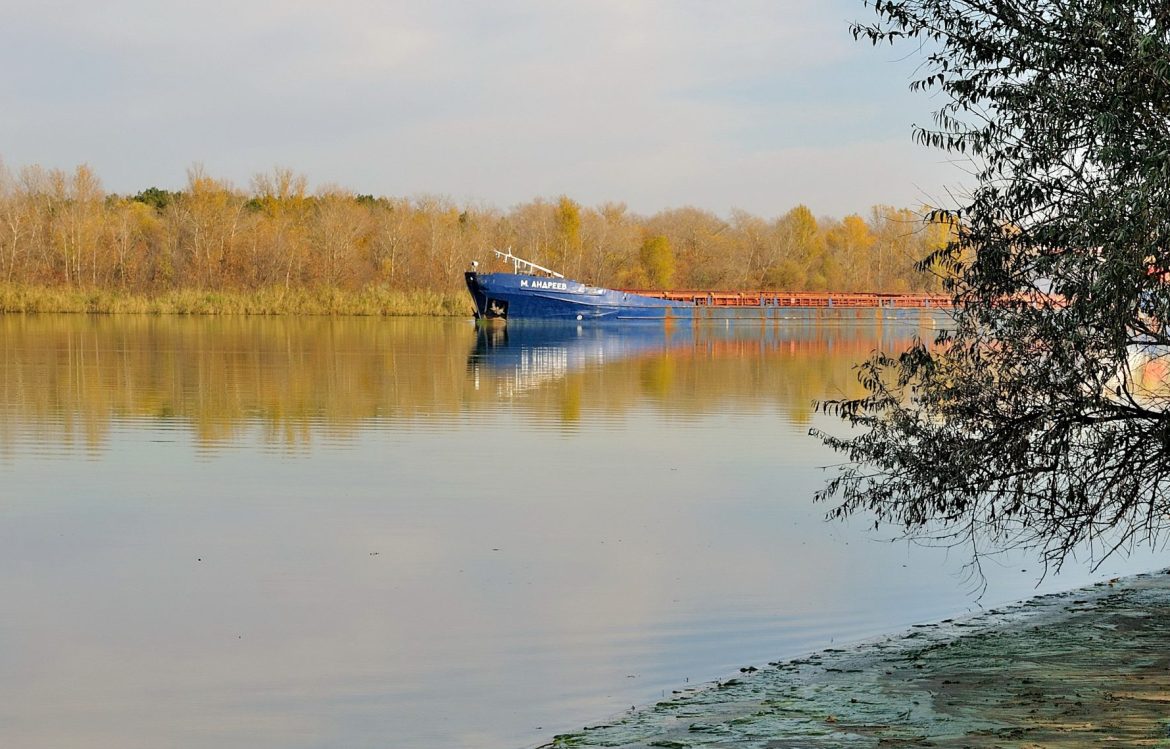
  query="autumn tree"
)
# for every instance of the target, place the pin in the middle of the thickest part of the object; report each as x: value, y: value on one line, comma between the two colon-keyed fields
x: 208, y: 218
x: 75, y: 208
x: 609, y: 237
x: 708, y: 250
x: 17, y: 224
x: 851, y: 242
x: 657, y: 260
x: 761, y: 252
x: 440, y: 237
x: 799, y: 259
x: 281, y: 199
x: 388, y: 237
x: 133, y: 236
x: 339, y: 232
x: 566, y: 253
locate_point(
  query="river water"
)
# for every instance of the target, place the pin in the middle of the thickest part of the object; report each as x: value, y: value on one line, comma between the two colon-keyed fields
x: 273, y: 532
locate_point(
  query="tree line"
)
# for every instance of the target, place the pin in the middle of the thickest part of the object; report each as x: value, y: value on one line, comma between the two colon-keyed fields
x: 62, y: 229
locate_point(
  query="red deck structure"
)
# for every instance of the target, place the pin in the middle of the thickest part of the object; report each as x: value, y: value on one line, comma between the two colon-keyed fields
x: 774, y: 298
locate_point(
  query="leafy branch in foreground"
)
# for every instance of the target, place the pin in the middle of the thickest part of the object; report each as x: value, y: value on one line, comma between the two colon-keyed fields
x: 1040, y: 419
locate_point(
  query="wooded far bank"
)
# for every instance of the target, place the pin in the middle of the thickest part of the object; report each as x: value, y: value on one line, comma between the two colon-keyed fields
x: 66, y: 244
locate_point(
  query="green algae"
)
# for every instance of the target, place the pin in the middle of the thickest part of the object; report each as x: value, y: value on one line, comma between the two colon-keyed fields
x: 1061, y: 670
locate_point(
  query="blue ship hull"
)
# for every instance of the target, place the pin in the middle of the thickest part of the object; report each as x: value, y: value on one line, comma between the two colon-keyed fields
x: 514, y: 296
x: 521, y: 297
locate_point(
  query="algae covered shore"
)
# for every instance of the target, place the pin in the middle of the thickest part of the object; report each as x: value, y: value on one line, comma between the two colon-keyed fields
x: 1086, y: 667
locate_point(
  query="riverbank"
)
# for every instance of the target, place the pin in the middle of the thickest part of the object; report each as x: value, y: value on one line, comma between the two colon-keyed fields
x: 277, y: 300
x: 1062, y: 670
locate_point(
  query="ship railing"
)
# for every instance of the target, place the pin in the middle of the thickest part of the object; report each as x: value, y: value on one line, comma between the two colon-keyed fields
x: 529, y: 267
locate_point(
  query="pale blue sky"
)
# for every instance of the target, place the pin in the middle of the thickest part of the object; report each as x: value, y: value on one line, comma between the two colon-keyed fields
x: 752, y: 104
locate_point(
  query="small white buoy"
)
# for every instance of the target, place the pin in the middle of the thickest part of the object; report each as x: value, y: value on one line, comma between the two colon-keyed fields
x: 578, y: 317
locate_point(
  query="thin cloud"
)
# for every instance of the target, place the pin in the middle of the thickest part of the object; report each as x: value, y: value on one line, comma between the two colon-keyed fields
x: 648, y: 102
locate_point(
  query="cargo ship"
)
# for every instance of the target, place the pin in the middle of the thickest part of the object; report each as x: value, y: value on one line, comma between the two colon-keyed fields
x: 532, y: 292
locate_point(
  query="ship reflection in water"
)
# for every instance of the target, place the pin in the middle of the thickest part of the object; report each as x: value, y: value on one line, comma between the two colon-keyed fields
x: 519, y: 359
x: 690, y: 368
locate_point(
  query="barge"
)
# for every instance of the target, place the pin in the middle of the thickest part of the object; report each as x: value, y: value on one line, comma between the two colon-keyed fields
x: 533, y: 292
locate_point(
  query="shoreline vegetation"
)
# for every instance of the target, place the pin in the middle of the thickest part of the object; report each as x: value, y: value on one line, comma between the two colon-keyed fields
x: 1068, y: 669
x: 369, y: 301
x: 211, y: 248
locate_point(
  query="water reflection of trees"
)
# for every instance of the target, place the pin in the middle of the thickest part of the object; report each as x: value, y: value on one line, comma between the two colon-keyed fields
x: 71, y: 379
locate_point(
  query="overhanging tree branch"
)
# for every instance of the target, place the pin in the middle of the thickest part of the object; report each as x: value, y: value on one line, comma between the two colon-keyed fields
x: 1042, y: 418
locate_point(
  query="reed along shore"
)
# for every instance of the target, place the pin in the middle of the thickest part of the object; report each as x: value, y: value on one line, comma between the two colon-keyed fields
x: 274, y: 300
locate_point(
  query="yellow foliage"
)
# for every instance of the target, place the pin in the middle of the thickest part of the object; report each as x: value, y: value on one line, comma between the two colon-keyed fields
x: 658, y: 260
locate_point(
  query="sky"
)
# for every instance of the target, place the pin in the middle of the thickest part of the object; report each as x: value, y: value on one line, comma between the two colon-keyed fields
x: 756, y: 105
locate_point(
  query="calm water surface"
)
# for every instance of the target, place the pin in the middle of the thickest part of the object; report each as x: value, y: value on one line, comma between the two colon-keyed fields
x: 371, y: 533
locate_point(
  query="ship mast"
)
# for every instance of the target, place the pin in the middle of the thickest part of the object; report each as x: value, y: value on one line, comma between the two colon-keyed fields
x: 529, y: 267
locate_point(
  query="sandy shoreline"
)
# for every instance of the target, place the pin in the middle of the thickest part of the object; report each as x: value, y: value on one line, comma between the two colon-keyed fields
x: 1063, y: 670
